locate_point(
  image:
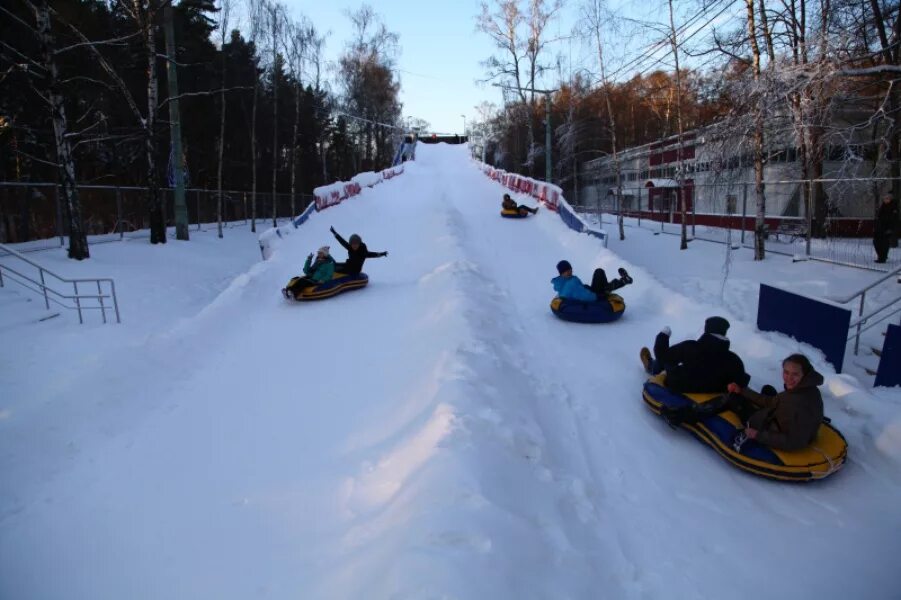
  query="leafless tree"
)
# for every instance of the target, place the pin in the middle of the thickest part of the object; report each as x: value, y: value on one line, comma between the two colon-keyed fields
x: 594, y: 18
x: 78, y: 241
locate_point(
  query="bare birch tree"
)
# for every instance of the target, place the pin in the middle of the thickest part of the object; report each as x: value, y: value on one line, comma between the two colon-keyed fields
x: 594, y: 18
x: 255, y: 16
x: 78, y: 241
x: 680, y: 150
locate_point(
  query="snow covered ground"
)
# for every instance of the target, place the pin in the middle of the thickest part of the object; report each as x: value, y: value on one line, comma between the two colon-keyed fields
x: 438, y: 434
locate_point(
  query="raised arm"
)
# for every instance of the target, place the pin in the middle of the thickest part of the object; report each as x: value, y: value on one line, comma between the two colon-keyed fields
x: 340, y: 239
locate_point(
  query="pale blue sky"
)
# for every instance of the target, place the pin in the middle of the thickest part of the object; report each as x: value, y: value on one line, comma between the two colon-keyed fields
x: 439, y: 53
x: 440, y: 50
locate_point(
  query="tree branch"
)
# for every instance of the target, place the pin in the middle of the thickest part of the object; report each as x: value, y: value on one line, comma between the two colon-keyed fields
x: 206, y: 93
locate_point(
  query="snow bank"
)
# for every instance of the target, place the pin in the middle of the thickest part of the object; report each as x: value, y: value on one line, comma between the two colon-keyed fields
x: 326, y: 196
x: 335, y: 193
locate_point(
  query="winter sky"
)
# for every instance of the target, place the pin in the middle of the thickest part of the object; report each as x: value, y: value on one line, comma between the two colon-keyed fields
x: 440, y: 49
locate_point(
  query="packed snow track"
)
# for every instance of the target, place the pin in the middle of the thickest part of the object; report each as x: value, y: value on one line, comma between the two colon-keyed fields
x: 439, y: 434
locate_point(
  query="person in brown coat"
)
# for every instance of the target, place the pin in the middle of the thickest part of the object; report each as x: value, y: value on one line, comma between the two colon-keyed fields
x: 787, y: 420
x: 790, y: 419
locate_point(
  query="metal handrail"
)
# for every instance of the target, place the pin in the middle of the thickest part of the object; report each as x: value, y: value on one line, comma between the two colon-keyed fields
x: 50, y: 294
x: 861, y: 318
x: 880, y: 319
x: 845, y: 300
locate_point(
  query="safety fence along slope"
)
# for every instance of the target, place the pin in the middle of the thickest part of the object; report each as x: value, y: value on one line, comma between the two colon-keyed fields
x: 548, y: 194
x: 325, y: 197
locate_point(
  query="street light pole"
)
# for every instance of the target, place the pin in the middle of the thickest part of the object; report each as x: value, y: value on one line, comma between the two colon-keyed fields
x: 547, y: 124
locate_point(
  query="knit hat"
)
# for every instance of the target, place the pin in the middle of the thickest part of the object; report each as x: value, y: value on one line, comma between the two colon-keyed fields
x: 323, y: 251
x: 356, y: 238
x: 716, y: 326
x: 563, y: 266
x: 507, y: 197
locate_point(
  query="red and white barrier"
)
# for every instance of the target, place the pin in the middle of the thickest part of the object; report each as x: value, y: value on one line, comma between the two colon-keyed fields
x: 338, y: 192
x: 546, y: 193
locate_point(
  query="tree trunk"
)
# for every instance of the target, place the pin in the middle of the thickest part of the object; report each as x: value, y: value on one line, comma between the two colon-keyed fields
x: 683, y: 244
x: 274, y: 117
x: 760, y: 221
x: 617, y: 168
x: 78, y: 241
x: 253, y: 156
x: 221, y: 143
x: 154, y: 204
x: 297, y: 91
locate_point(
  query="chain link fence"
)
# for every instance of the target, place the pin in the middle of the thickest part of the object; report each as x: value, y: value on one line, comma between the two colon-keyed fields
x: 31, y: 214
x: 726, y: 213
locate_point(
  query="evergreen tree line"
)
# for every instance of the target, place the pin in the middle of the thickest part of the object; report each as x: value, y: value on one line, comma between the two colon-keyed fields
x: 84, y: 99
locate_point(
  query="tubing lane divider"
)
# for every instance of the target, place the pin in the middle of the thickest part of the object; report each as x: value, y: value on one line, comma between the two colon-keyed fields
x: 327, y: 196
x: 548, y: 194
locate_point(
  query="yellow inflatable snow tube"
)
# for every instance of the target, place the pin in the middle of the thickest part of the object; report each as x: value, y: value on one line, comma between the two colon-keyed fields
x: 826, y: 455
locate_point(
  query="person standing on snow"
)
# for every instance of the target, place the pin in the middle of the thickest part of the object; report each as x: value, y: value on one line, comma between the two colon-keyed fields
x: 884, y: 227
x: 705, y: 365
x: 315, y: 272
x: 357, y: 253
x: 570, y: 287
x: 509, y: 203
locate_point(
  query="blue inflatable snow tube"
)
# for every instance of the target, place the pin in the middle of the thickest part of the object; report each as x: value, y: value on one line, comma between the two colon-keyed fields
x: 339, y: 284
x: 826, y: 455
x: 578, y: 311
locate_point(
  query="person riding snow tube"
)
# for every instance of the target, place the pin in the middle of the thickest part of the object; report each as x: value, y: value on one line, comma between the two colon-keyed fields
x: 510, y: 210
x: 580, y: 303
x: 320, y: 279
x: 339, y: 284
x: 722, y: 432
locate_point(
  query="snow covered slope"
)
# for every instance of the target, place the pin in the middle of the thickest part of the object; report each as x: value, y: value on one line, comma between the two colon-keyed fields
x: 438, y: 434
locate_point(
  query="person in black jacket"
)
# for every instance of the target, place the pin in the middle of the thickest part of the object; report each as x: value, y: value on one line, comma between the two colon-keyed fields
x: 884, y: 227
x: 357, y: 253
x: 705, y: 365
x: 509, y: 203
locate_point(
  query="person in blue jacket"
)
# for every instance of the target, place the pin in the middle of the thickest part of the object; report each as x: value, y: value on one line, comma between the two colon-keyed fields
x: 571, y: 287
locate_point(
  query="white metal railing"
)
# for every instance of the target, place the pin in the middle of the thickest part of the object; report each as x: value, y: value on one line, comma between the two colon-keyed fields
x: 888, y: 309
x: 105, y: 298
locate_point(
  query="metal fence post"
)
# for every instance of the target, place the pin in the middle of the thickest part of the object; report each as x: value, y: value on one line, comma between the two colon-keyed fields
x: 119, y: 223
x: 863, y: 298
x: 59, y: 216
x: 810, y: 225
x: 44, y: 289
x: 77, y: 302
x: 100, y: 299
x: 744, y: 209
x: 639, y: 207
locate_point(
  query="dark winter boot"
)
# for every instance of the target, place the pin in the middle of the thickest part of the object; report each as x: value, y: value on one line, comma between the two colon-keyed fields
x: 674, y: 416
x: 624, y: 276
x: 646, y: 360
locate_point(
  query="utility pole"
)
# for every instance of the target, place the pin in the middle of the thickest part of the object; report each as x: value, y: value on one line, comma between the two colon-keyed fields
x: 547, y: 124
x: 181, y: 209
